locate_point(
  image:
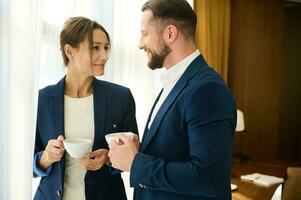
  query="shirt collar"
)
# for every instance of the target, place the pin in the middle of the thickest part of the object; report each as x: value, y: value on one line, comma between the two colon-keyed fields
x: 170, y: 76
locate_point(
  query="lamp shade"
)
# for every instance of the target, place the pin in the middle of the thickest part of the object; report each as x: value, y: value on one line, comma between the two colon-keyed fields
x: 240, y: 124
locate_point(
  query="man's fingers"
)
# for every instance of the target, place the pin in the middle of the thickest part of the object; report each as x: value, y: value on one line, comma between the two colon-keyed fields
x: 112, y: 145
x: 136, y: 138
x: 60, y: 138
x: 124, y: 139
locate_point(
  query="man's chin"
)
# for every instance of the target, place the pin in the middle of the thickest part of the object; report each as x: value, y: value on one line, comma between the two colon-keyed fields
x: 153, y: 67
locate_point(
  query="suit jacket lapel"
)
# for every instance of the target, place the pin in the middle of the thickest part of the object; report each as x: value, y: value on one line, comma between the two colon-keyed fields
x: 177, y: 89
x: 99, y: 113
x: 160, y: 114
x: 57, y: 103
x: 150, y: 115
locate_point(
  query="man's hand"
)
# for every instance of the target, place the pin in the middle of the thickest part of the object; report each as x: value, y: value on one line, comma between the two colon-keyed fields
x: 122, y: 155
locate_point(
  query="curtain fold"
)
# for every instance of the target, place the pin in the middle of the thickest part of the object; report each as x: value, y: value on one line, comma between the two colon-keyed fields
x: 19, y: 83
x: 129, y: 63
x: 213, y: 32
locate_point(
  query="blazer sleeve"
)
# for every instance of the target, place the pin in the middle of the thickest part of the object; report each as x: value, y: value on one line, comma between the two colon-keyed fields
x: 209, y: 115
x: 129, y: 122
x: 38, y: 150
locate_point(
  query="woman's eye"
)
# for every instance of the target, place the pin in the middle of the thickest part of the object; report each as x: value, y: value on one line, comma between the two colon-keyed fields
x: 106, y: 48
x: 96, y: 48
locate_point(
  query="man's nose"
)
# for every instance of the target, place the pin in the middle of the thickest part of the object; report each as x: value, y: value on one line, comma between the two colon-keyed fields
x: 141, y: 44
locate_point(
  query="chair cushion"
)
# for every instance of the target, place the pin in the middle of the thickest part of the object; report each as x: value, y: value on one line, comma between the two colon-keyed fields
x: 292, y: 185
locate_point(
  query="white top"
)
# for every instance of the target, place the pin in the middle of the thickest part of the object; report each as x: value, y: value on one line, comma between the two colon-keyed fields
x: 170, y: 77
x: 79, y: 123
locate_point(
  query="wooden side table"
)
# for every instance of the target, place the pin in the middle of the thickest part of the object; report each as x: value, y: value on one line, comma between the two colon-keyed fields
x: 251, y: 191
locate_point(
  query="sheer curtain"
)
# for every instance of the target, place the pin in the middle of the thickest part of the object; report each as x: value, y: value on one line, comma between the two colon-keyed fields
x: 19, y: 38
x: 129, y: 63
x: 213, y: 32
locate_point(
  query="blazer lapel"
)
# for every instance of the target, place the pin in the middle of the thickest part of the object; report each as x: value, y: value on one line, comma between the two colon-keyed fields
x: 160, y: 114
x: 99, y: 113
x: 192, y: 69
x: 57, y: 104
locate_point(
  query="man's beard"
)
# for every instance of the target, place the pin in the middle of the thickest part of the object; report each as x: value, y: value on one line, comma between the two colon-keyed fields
x: 156, y: 60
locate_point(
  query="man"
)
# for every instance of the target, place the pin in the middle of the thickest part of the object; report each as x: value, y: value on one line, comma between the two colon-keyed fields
x: 185, y: 153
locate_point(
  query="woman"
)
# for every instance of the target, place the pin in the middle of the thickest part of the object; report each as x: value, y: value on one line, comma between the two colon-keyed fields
x: 79, y: 105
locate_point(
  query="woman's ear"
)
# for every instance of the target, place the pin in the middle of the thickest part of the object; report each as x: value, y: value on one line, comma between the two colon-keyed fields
x: 170, y: 34
x: 68, y: 51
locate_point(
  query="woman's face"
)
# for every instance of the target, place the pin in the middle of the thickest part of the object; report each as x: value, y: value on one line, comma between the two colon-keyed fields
x: 91, y: 62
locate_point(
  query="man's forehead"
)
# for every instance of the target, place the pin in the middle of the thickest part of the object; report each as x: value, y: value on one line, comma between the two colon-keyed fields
x: 147, y: 16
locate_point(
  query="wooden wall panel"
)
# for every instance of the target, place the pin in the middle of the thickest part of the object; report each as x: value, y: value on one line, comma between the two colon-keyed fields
x: 254, y: 65
x: 289, y: 128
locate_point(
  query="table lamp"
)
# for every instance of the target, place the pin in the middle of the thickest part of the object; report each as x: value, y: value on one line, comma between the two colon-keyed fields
x: 240, y: 127
x: 240, y: 123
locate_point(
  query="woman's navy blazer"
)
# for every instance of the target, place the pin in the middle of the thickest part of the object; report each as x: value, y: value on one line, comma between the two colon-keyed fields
x: 114, y: 111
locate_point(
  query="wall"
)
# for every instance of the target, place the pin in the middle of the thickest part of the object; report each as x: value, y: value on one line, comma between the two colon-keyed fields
x: 289, y: 123
x: 254, y: 67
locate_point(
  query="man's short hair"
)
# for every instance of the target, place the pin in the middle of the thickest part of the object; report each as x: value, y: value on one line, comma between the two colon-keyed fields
x: 175, y: 12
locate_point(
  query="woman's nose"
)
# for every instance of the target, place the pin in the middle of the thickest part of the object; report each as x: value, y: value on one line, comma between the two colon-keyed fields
x: 103, y: 55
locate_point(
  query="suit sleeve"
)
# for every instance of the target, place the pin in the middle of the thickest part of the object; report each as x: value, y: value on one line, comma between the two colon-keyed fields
x: 209, y: 115
x: 129, y: 122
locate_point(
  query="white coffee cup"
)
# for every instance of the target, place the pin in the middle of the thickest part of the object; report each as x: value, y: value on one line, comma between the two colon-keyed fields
x: 77, y: 147
x: 114, y: 137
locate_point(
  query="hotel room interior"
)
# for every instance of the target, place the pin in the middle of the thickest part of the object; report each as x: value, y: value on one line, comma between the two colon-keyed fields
x: 255, y: 45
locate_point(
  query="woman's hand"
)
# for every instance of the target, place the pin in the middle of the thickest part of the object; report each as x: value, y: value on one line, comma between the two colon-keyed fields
x: 53, y: 152
x: 95, y: 160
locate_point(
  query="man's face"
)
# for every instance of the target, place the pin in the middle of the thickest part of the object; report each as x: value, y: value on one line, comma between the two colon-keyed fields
x: 152, y: 41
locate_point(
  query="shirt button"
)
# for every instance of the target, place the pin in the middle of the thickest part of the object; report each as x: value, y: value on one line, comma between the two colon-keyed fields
x: 140, y: 185
x: 58, y: 193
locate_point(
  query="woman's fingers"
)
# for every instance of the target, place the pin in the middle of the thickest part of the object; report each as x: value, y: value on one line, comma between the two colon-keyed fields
x: 55, y: 149
x: 91, y: 164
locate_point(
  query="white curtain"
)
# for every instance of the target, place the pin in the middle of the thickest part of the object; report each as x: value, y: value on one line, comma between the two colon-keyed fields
x: 129, y: 63
x: 19, y: 39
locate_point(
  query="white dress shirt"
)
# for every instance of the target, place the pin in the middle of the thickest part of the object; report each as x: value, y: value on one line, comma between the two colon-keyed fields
x: 170, y: 77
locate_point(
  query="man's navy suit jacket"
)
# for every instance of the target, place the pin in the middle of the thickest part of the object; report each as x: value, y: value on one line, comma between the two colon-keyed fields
x: 186, y: 152
x: 114, y: 111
